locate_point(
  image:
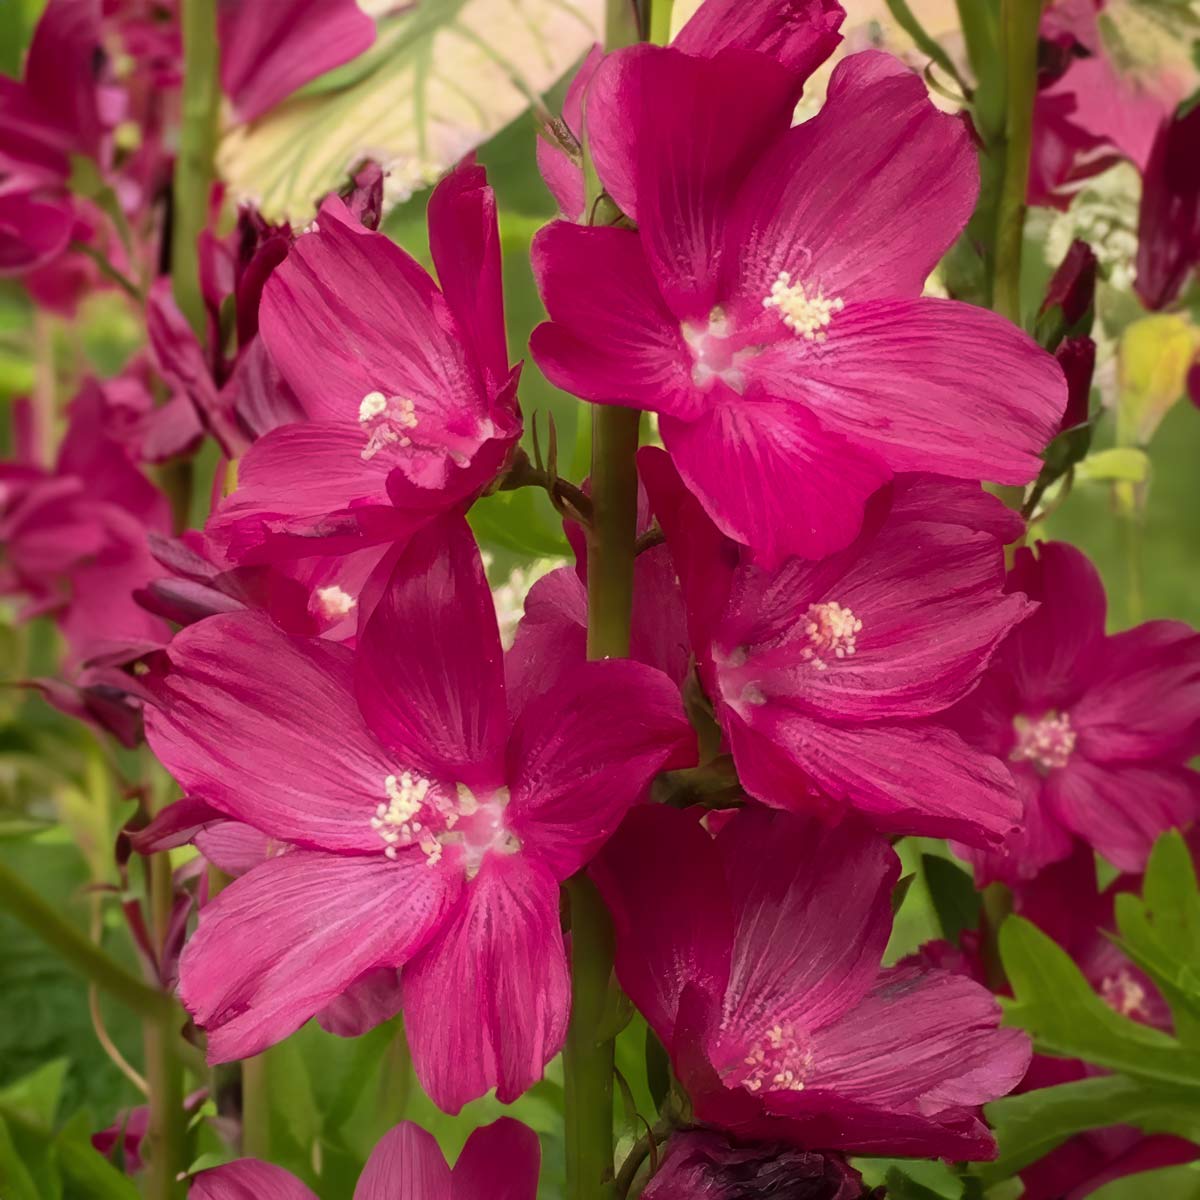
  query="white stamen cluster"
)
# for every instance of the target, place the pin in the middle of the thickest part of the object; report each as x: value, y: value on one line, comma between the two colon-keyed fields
x: 803, y: 314
x: 777, y: 1062
x: 385, y: 418
x: 1123, y: 993
x: 334, y: 601
x: 832, y: 631
x: 1047, y: 742
x: 396, y: 822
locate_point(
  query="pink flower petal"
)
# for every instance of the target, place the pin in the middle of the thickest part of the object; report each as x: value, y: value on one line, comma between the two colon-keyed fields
x: 429, y: 672
x: 265, y: 728
x: 270, y: 50
x: 916, y: 778
x: 614, y: 341
x: 305, y: 489
x: 928, y: 385
x: 1121, y: 809
x: 285, y: 940
x: 812, y: 911
x: 586, y: 750
x: 551, y: 639
x: 701, y: 123
x: 1141, y: 696
x: 863, y: 199
x: 486, y: 1003
x: 406, y: 1164
x: 499, y: 1162
x: 367, y: 1002
x: 771, y: 476
x: 562, y: 175
x: 798, y: 34
x: 662, y: 880
x: 247, y: 1179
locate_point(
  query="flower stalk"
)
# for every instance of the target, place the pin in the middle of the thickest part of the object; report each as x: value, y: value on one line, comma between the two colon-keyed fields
x: 194, y: 169
x: 1018, y: 34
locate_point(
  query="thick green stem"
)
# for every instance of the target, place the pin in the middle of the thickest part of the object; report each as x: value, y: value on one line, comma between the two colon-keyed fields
x: 165, y: 1146
x: 1018, y: 31
x: 589, y: 1050
x: 197, y: 149
x: 78, y: 951
x: 660, y: 22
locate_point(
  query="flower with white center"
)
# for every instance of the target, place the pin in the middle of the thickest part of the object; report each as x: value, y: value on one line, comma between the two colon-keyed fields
x: 807, y: 315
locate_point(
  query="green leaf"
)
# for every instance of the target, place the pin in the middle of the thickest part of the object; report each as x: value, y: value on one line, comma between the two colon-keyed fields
x: 1153, y: 358
x: 36, y: 1095
x: 1170, y: 1183
x: 1121, y: 464
x: 15, y: 1181
x: 1066, y: 1018
x: 1161, y: 931
x: 955, y: 899
x: 909, y: 1179
x: 1030, y: 1125
x: 85, y: 1169
x: 440, y: 80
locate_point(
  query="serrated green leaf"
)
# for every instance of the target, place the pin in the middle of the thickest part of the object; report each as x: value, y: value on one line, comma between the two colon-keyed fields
x: 1030, y: 1125
x: 1066, y: 1018
x: 442, y: 77
x: 953, y: 893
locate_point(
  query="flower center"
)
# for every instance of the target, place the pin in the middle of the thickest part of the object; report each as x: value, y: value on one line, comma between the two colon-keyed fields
x: 334, y: 602
x: 832, y: 633
x: 777, y: 1062
x: 385, y: 420
x: 1047, y: 742
x: 804, y: 314
x: 1122, y: 993
x: 716, y: 353
x: 419, y: 812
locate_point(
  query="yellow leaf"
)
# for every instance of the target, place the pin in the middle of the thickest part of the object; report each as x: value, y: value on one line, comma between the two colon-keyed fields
x: 1152, y: 361
x: 442, y: 77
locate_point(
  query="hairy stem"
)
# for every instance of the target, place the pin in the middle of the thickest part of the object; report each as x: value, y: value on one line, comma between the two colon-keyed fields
x: 194, y: 163
x: 77, y: 950
x: 1018, y: 32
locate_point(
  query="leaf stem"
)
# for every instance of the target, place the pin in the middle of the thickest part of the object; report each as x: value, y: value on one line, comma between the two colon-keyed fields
x: 77, y: 950
x: 194, y: 170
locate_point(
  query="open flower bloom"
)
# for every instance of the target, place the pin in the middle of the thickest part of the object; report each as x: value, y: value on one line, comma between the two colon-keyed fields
x: 409, y: 398
x: 769, y: 305
x: 799, y: 1036
x: 799, y: 35
x: 701, y: 1164
x: 829, y: 677
x: 499, y: 1162
x: 1096, y: 730
x: 425, y: 827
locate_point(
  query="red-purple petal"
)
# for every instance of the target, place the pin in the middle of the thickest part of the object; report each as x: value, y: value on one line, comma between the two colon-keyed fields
x: 499, y: 1162
x: 406, y: 1164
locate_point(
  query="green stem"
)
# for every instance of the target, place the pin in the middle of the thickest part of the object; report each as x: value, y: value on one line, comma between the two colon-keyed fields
x: 194, y: 169
x: 997, y: 905
x: 1018, y: 32
x: 1130, y: 520
x: 256, y: 1112
x: 166, y: 1135
x: 77, y: 950
x: 588, y: 1056
x: 660, y: 22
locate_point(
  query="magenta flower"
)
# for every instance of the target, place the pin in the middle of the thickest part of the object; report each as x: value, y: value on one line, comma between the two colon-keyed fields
x: 409, y: 398
x: 799, y: 35
x: 270, y: 50
x: 701, y: 1164
x: 829, y: 678
x: 499, y: 1162
x: 768, y: 307
x: 75, y: 539
x: 1096, y: 730
x: 1169, y: 218
x: 799, y: 1036
x: 426, y: 828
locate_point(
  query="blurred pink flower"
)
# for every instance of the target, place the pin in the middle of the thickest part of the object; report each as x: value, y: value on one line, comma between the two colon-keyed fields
x: 1097, y: 730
